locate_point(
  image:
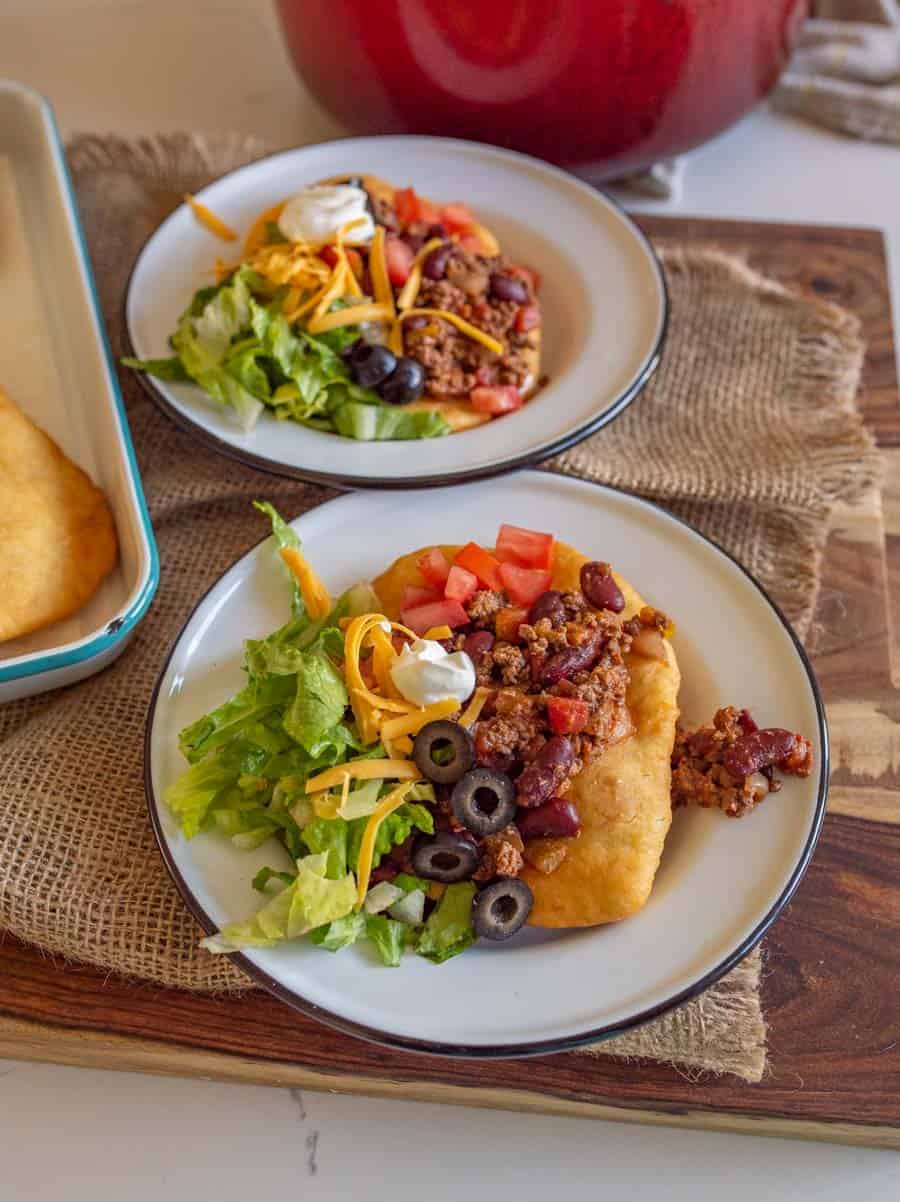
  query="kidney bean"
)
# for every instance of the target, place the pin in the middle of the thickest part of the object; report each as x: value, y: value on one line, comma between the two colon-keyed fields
x: 600, y: 588
x: 477, y: 645
x: 758, y: 750
x: 570, y: 660
x: 548, y: 605
x: 436, y: 262
x: 505, y: 287
x: 415, y: 242
x: 555, y: 819
x: 746, y: 722
x: 436, y: 230
x: 544, y: 775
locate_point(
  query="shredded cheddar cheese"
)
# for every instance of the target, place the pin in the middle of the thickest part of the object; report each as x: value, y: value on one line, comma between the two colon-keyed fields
x: 315, y: 595
x: 410, y: 289
x: 381, y: 284
x: 411, y: 724
x: 439, y: 632
x: 393, y: 801
x: 351, y: 316
x: 469, y: 716
x: 463, y: 326
x: 364, y: 770
x: 209, y: 220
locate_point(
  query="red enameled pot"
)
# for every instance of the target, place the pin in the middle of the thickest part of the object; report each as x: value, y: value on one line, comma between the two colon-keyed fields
x: 607, y: 84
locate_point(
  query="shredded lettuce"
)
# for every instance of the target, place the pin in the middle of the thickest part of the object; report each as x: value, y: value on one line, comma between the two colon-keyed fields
x: 379, y: 423
x: 235, y: 343
x: 319, y: 703
x: 311, y: 900
x: 249, y: 761
x: 387, y: 935
x: 449, y: 929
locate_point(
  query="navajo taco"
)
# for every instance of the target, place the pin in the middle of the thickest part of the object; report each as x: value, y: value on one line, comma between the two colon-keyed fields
x: 481, y: 737
x: 364, y: 310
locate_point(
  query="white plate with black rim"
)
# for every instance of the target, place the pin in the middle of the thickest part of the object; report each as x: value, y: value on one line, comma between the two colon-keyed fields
x: 721, y: 882
x: 603, y: 297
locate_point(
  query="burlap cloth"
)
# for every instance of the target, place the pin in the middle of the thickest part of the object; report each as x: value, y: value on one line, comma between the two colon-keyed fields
x: 749, y: 430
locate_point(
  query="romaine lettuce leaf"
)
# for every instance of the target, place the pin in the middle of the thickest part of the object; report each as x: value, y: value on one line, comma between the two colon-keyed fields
x: 396, y: 828
x: 328, y: 836
x: 319, y: 703
x: 257, y: 700
x: 202, y: 341
x: 387, y: 935
x: 448, y: 930
x: 377, y: 422
x: 311, y: 900
x: 164, y: 369
x: 340, y: 933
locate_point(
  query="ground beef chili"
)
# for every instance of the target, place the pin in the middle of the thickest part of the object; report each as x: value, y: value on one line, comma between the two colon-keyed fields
x: 478, y: 288
x: 565, y: 656
x: 731, y: 764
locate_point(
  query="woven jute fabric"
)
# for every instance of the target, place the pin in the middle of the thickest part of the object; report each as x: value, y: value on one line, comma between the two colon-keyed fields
x: 749, y: 430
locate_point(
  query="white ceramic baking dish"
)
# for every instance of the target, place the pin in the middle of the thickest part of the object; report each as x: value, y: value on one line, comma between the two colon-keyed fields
x: 55, y: 364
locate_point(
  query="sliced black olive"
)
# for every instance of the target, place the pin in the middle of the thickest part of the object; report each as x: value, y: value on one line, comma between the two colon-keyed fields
x: 372, y: 364
x: 484, y: 801
x: 443, y: 751
x: 501, y: 909
x: 406, y: 382
x: 445, y: 858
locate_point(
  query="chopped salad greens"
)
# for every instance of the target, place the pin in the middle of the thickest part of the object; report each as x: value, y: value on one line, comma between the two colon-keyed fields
x: 235, y: 342
x: 249, y: 763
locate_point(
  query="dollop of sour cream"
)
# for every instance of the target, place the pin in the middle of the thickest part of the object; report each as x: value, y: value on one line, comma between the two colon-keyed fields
x: 424, y: 673
x: 317, y: 213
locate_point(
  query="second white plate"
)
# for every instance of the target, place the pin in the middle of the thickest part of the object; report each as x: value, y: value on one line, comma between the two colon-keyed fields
x: 603, y: 297
x: 721, y: 883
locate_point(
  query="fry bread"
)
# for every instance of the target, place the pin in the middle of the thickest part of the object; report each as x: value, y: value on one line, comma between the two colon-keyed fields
x: 623, y: 797
x: 57, y: 538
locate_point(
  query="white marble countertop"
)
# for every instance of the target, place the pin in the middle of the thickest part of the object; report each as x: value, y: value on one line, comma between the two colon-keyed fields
x: 78, y: 1135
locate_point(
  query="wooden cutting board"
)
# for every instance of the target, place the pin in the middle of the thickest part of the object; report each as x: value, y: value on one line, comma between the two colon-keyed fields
x: 832, y: 959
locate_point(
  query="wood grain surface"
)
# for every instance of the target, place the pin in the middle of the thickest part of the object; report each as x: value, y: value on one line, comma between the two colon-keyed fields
x: 831, y: 976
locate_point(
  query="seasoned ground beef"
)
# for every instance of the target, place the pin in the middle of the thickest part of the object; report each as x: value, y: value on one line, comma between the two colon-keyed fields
x: 701, y: 759
x: 501, y: 855
x: 515, y: 725
x: 454, y: 364
x: 510, y: 662
x: 484, y: 607
x: 469, y: 273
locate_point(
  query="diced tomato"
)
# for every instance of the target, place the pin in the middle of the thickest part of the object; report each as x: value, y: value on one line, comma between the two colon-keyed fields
x: 435, y: 567
x: 472, y: 243
x: 528, y: 318
x: 413, y: 596
x: 457, y: 217
x: 436, y: 613
x: 329, y: 255
x: 528, y: 274
x: 399, y: 258
x: 501, y: 398
x: 428, y: 212
x: 461, y: 585
x: 527, y: 548
x: 482, y: 564
x: 411, y: 207
x: 567, y: 715
x: 406, y: 205
x: 508, y: 621
x: 524, y: 585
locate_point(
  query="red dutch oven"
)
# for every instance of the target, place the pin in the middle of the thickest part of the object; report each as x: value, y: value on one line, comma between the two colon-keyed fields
x: 607, y: 84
